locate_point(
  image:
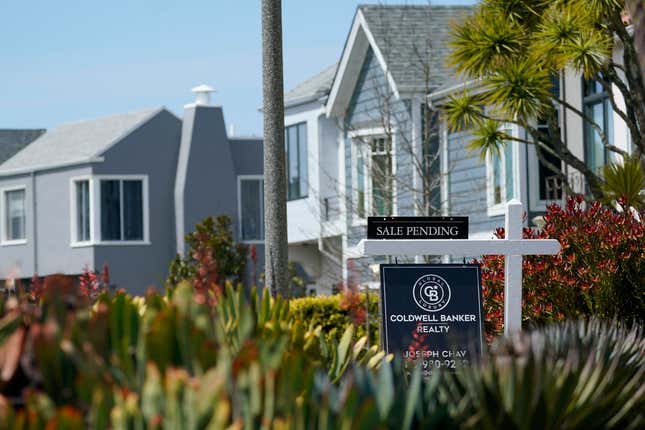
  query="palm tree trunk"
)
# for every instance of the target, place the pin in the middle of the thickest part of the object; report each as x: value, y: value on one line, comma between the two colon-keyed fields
x: 275, y: 192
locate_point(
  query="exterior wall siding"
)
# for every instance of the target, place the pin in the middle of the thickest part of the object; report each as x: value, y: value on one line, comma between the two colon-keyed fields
x: 53, y: 219
x: 48, y: 249
x: 151, y: 150
x: 467, y: 186
x: 17, y: 261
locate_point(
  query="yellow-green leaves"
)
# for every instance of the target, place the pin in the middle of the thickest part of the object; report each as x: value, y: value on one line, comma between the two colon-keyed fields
x: 486, y: 42
x: 625, y: 180
x: 489, y: 139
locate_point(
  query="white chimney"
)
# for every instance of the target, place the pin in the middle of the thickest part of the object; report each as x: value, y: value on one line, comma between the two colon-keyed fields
x: 231, y: 130
x: 202, y: 95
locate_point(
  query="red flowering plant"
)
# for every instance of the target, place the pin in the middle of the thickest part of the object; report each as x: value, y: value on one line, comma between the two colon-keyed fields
x: 351, y: 299
x: 600, y: 270
x: 212, y: 260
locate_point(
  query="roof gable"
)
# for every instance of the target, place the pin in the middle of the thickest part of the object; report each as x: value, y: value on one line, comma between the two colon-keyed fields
x: 76, y: 143
x: 410, y: 43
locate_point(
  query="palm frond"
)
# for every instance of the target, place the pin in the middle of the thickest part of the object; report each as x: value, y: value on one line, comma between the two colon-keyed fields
x: 521, y: 89
x: 626, y: 180
x: 489, y: 138
x: 463, y: 111
x: 484, y: 43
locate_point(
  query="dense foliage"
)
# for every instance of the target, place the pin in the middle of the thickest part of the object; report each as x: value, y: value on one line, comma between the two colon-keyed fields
x: 517, y: 50
x: 600, y: 271
x: 213, y: 257
x: 175, y: 361
x: 334, y: 313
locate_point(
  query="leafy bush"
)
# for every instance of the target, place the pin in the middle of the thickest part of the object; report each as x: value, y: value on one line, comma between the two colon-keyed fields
x: 213, y: 257
x: 333, y: 313
x: 599, y: 272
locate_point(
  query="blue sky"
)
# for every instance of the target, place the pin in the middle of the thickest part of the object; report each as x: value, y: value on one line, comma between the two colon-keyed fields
x: 69, y: 60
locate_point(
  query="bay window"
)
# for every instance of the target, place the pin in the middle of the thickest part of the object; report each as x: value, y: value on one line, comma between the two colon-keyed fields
x: 110, y: 210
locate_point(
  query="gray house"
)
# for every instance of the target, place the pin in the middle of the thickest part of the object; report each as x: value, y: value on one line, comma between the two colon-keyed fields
x: 124, y: 190
x: 371, y: 143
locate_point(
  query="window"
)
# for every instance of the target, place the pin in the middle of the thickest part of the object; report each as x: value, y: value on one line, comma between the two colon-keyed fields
x: 373, y: 177
x: 431, y: 162
x: 251, y: 208
x: 296, y: 147
x: 121, y: 209
x: 109, y: 210
x: 82, y: 210
x: 500, y: 176
x: 15, y: 219
x: 381, y: 176
x: 597, y: 107
x: 548, y: 184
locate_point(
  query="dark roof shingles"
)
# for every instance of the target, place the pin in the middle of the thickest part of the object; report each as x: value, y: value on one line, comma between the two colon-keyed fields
x: 13, y: 140
x: 413, y: 37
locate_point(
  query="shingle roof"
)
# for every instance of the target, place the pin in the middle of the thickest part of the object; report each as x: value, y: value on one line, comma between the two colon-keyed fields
x: 13, y: 140
x: 411, y: 37
x: 75, y: 142
x: 312, y: 89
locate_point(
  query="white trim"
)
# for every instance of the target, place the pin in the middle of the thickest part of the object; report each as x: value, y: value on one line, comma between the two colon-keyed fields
x: 44, y: 168
x: 378, y: 54
x: 444, y: 181
x: 179, y: 189
x: 370, y: 134
x: 417, y: 151
x: 497, y: 209
x: 3, y: 215
x: 460, y: 247
x: 73, y: 209
x: 95, y: 211
x: 241, y: 178
x: 353, y: 46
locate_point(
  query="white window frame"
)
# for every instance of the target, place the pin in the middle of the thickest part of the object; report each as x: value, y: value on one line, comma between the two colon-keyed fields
x: 241, y: 178
x: 95, y: 210
x: 3, y: 209
x: 496, y: 209
x: 73, y: 208
x: 363, y: 137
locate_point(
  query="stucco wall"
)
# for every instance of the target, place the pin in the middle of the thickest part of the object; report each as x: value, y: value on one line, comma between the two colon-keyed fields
x: 151, y: 150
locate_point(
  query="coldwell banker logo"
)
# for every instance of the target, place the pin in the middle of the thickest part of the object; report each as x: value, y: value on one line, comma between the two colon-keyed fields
x: 431, y: 293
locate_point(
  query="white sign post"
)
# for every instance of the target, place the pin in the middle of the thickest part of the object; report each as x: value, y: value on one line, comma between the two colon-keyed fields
x: 513, y: 247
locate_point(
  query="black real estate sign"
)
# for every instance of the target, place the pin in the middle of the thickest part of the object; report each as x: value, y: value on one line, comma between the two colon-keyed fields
x: 432, y: 313
x: 413, y: 227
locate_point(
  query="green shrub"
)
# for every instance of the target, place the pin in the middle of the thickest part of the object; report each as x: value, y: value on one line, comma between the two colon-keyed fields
x: 333, y: 314
x: 213, y: 257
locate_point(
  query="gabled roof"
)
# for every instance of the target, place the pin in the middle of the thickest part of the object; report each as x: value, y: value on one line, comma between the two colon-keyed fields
x: 13, y: 140
x: 409, y: 42
x: 312, y: 89
x: 76, y: 143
